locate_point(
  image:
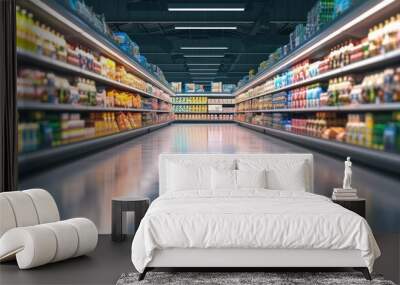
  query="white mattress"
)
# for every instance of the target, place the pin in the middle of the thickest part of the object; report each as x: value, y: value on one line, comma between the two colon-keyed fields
x: 253, y: 219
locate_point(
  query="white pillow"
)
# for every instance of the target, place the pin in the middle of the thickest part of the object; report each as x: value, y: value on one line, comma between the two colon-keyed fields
x: 251, y: 178
x: 223, y: 179
x: 184, y: 178
x: 291, y: 178
x: 194, y: 174
x: 282, y: 174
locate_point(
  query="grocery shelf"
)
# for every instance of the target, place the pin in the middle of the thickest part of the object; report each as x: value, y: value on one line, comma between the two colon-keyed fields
x: 349, y: 108
x: 351, y: 23
x: 203, y: 104
x: 64, y: 20
x: 377, y: 159
x: 40, y: 159
x: 190, y: 112
x: 189, y: 103
x: 218, y: 95
x: 63, y: 66
x: 202, y: 121
x: 28, y: 105
x: 373, y: 62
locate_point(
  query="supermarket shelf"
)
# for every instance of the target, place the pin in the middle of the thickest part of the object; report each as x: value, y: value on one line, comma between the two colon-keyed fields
x: 377, y: 61
x: 350, y: 108
x: 377, y: 159
x: 203, y: 104
x: 38, y: 160
x: 63, y: 66
x: 349, y: 24
x: 70, y: 107
x: 189, y: 104
x: 212, y: 112
x: 64, y: 20
x: 218, y: 95
x: 202, y: 121
x: 190, y: 112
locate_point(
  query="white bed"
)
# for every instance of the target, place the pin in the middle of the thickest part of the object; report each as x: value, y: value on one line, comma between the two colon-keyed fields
x: 248, y: 227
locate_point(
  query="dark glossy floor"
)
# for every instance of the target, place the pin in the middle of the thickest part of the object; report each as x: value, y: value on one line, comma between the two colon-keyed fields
x: 85, y: 187
x: 102, y: 266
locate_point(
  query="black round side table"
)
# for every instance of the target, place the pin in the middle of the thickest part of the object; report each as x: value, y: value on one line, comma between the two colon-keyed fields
x: 139, y: 205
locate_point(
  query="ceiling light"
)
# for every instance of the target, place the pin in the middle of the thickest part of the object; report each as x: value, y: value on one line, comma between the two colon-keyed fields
x: 201, y: 78
x: 210, y: 9
x: 205, y: 28
x: 203, y: 64
x: 204, y: 47
x: 203, y: 55
x: 199, y: 73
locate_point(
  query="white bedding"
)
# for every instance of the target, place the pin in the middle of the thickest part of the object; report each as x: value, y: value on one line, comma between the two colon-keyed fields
x: 250, y: 219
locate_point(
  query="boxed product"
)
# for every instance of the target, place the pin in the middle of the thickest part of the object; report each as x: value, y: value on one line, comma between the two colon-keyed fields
x: 216, y: 87
x: 190, y: 88
x: 176, y: 87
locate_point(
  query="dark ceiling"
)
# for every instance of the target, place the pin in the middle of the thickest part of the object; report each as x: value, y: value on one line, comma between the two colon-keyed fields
x: 261, y: 28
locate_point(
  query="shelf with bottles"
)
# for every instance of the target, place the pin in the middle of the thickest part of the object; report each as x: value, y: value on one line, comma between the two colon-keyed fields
x: 269, y: 86
x: 351, y: 54
x: 204, y: 117
x: 190, y: 100
x: 46, y: 63
x: 220, y: 109
x: 381, y: 160
x: 39, y: 44
x: 43, y: 130
x: 377, y: 91
x: 217, y: 95
x: 35, y: 106
x: 321, y: 15
x: 190, y: 108
x: 344, y: 109
x: 38, y: 90
x: 378, y: 131
x: 221, y: 101
x: 43, y: 158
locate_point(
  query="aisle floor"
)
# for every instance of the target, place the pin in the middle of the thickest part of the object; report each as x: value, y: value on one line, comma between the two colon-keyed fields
x: 85, y: 187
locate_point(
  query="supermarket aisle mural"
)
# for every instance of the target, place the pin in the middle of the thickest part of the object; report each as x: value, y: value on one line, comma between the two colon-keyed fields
x: 85, y: 187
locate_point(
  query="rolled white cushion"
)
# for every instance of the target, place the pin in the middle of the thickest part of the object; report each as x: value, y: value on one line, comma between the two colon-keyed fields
x: 7, y: 218
x: 45, y: 205
x: 41, y: 244
x: 87, y: 235
x: 67, y: 240
x: 23, y: 208
x: 33, y: 246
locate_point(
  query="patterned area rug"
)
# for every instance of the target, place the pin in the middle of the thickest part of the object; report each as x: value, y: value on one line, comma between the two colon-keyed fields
x: 243, y: 278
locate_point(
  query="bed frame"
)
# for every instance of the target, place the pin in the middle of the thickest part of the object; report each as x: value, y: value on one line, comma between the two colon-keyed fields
x: 242, y: 259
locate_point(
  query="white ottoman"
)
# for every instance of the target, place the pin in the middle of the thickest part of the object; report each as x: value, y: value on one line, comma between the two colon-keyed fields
x: 31, y: 232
